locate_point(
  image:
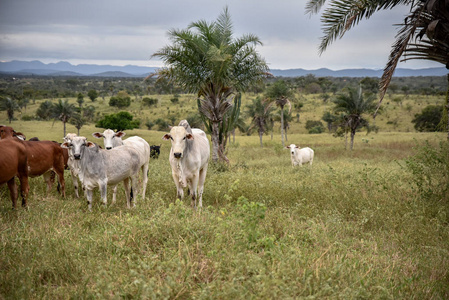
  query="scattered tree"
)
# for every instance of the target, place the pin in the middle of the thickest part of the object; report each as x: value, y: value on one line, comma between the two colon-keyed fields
x: 10, y: 106
x: 260, y: 112
x: 120, y: 121
x: 62, y: 111
x: 92, y: 94
x: 429, y: 119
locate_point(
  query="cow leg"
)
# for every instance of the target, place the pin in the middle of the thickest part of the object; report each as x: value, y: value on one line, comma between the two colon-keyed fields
x: 61, y: 181
x: 201, y: 180
x: 75, y: 183
x: 193, y: 186
x: 24, y: 188
x: 114, y: 193
x: 49, y: 179
x: 127, y: 192
x: 104, y: 193
x: 179, y: 188
x: 145, y: 179
x: 89, y: 199
x: 12, y: 186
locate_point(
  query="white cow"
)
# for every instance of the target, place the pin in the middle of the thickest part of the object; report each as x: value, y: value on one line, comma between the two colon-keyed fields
x: 73, y: 164
x: 113, y: 139
x: 189, y: 157
x: 100, y: 168
x: 300, y: 156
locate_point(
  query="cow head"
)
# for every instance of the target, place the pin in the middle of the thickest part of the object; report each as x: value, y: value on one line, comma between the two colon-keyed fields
x: 178, y: 136
x: 108, y: 137
x: 9, y: 132
x: 77, y: 145
x: 292, y: 148
x: 69, y: 137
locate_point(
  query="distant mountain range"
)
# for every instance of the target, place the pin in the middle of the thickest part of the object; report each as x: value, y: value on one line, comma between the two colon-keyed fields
x: 63, y: 68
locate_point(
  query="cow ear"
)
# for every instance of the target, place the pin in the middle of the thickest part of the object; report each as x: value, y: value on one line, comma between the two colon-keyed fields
x: 166, y: 137
x: 97, y: 135
x: 189, y: 136
x: 287, y: 147
x: 90, y: 144
x: 20, y: 135
x: 65, y: 145
x: 120, y: 134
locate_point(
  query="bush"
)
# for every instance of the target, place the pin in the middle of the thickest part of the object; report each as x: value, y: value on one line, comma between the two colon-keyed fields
x: 428, y: 119
x: 316, y: 130
x: 149, y: 124
x: 163, y: 125
x: 430, y: 169
x: 149, y: 101
x: 314, y: 126
x: 27, y: 118
x: 121, y: 100
x: 119, y: 121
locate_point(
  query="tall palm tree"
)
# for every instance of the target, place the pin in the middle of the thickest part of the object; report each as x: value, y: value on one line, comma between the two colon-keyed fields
x: 9, y: 105
x: 260, y: 113
x: 279, y: 92
x: 63, y: 111
x: 206, y: 60
x: 353, y: 105
x: 424, y: 33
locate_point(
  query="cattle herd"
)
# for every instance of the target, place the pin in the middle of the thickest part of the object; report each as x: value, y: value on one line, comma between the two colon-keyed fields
x: 119, y: 161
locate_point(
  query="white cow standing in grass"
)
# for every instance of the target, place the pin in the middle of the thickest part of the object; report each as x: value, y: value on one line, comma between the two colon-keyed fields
x: 300, y: 156
x: 100, y: 168
x: 189, y: 158
x: 113, y: 139
x: 73, y: 165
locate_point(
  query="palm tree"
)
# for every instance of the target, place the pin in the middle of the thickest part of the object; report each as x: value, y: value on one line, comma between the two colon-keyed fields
x: 10, y: 105
x: 353, y: 105
x: 63, y: 111
x: 279, y: 92
x: 260, y: 113
x: 78, y: 121
x: 424, y: 33
x: 205, y: 59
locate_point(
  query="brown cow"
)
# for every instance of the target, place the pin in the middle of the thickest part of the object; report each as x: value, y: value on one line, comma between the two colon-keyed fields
x: 13, y: 162
x: 43, y: 157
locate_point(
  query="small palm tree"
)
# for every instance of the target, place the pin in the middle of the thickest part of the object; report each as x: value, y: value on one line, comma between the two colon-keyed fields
x: 63, y: 111
x: 353, y: 105
x: 279, y: 92
x: 260, y: 113
x: 78, y: 121
x: 9, y: 105
x: 206, y: 60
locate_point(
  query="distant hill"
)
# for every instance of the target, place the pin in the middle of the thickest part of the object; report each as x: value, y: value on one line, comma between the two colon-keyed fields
x: 63, y: 68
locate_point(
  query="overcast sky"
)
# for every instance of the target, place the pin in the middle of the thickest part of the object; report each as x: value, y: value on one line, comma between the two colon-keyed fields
x: 120, y: 32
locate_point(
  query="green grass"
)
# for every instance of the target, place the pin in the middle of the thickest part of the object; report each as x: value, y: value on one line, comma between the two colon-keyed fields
x: 354, y: 225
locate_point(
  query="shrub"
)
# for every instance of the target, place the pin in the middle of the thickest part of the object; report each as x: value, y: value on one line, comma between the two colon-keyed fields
x: 149, y: 101
x: 119, y: 121
x: 27, y: 118
x: 428, y: 119
x: 121, y: 100
x: 314, y: 126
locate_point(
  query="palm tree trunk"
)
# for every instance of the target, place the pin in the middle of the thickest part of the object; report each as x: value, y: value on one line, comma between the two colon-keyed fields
x: 260, y: 138
x: 215, y: 142
x: 352, y: 138
x: 64, y: 128
x: 282, y: 126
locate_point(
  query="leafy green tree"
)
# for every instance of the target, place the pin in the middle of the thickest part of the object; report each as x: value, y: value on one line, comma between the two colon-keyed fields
x: 89, y: 112
x: 122, y: 100
x: 314, y: 126
x: 260, y: 113
x: 330, y: 119
x: 206, y: 60
x: 44, y: 112
x: 10, y: 106
x: 428, y: 119
x: 92, y: 94
x: 63, y: 111
x: 354, y: 105
x: 279, y: 92
x: 120, y: 121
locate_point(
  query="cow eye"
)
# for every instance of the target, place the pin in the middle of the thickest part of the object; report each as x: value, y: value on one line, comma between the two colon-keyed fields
x: 184, y: 138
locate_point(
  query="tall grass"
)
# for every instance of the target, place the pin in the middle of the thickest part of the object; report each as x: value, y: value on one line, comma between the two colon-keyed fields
x: 351, y: 226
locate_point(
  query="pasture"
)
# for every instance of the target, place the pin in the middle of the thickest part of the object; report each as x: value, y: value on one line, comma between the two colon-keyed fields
x: 356, y: 224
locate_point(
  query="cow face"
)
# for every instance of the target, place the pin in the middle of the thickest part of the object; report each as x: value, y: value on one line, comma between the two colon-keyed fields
x: 9, y: 132
x: 77, y: 146
x: 178, y: 136
x: 292, y: 148
x: 109, y: 135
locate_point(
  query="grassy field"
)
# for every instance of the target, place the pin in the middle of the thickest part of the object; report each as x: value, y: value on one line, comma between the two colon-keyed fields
x: 361, y: 224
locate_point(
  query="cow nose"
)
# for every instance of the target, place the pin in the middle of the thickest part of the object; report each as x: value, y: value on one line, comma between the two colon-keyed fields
x: 108, y: 148
x: 177, y: 154
x: 77, y: 156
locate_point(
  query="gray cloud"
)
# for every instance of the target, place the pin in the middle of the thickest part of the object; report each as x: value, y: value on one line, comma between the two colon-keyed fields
x: 129, y: 32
